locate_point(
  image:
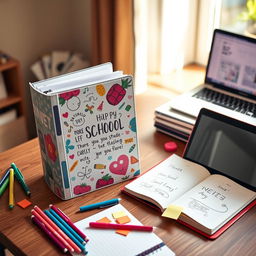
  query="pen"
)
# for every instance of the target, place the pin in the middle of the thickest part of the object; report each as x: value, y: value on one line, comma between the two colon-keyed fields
x: 49, y: 234
x: 120, y: 226
x: 20, y: 179
x: 11, y: 187
x: 79, y: 244
x: 54, y: 232
x: 68, y: 221
x: 55, y: 227
x: 100, y: 204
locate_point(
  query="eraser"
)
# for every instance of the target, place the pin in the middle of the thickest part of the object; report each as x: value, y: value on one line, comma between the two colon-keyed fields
x: 170, y: 146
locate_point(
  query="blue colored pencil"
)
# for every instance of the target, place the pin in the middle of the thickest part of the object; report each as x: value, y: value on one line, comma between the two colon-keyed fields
x: 7, y: 172
x: 52, y: 217
x: 71, y: 230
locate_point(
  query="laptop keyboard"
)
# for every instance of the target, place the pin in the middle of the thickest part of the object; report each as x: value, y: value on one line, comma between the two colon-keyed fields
x: 227, y: 101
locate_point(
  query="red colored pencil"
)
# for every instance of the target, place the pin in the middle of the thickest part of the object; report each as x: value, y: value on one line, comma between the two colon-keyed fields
x: 69, y: 222
x: 54, y: 226
x: 49, y: 234
x: 53, y: 231
x: 120, y: 226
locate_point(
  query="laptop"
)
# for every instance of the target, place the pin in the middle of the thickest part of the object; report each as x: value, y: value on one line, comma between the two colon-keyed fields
x: 224, y: 145
x: 230, y: 80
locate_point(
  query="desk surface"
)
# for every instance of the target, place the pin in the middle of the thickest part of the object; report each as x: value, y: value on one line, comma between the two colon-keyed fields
x: 22, y: 238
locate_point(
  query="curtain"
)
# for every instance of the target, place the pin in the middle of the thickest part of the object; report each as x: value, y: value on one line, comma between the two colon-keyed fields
x: 165, y: 37
x: 112, y: 34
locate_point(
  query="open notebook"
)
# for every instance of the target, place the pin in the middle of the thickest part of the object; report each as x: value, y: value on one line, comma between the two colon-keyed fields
x: 106, y: 242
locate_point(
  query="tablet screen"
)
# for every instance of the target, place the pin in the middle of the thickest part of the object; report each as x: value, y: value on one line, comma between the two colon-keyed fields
x: 224, y: 145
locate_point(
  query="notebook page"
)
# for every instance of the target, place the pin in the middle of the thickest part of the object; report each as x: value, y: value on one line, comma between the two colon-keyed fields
x: 214, y: 201
x: 168, y: 180
x: 106, y: 242
x: 82, y: 81
x: 102, y: 69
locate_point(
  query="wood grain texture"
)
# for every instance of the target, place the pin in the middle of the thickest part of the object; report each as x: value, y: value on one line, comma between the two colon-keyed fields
x: 23, y: 238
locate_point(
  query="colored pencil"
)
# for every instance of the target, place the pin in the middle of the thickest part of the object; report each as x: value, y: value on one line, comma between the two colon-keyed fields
x: 53, y: 231
x: 68, y: 221
x: 55, y: 227
x: 81, y: 240
x: 20, y: 179
x: 4, y: 185
x: 120, y: 226
x: 5, y: 176
x: 52, y: 217
x: 11, y: 189
x: 49, y: 234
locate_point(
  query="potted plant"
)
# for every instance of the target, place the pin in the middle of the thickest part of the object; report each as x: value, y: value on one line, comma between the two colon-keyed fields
x: 249, y: 15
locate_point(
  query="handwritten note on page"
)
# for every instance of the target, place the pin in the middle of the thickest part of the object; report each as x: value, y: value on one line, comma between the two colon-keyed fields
x: 214, y: 201
x: 168, y: 180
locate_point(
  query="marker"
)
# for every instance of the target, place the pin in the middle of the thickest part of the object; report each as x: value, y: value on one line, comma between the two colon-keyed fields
x: 55, y: 227
x: 4, y: 186
x: 100, y: 205
x: 20, y: 179
x: 7, y: 173
x: 11, y: 188
x: 68, y: 221
x: 49, y: 234
x: 120, y: 226
x: 52, y: 217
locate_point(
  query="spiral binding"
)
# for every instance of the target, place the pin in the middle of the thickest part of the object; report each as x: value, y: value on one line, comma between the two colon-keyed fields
x: 152, y: 249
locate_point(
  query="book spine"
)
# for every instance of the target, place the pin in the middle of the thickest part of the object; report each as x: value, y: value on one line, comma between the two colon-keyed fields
x: 63, y: 172
x: 49, y: 132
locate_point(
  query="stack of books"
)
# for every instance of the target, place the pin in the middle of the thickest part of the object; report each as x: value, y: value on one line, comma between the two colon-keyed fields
x: 172, y: 122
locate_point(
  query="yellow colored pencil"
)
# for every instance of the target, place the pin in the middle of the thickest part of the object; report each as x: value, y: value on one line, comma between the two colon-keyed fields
x: 11, y: 189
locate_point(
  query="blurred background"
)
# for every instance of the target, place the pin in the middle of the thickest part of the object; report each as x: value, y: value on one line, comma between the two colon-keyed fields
x: 163, y: 43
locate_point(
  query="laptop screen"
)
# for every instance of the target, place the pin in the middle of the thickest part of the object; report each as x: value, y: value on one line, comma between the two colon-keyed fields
x: 224, y: 145
x: 232, y: 63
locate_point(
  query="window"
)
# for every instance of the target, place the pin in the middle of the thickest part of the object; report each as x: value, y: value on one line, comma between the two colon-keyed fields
x: 171, y: 34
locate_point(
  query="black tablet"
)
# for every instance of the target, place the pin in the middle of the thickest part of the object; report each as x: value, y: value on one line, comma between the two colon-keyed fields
x: 224, y: 145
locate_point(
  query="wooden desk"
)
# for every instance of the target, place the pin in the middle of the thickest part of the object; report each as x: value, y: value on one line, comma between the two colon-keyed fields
x: 22, y: 238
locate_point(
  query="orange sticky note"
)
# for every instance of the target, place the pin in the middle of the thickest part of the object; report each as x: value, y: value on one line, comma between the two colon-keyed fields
x: 104, y: 220
x: 123, y: 232
x: 24, y: 203
x: 123, y: 220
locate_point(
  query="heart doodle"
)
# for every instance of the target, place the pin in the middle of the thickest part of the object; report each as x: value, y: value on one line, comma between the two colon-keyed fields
x: 65, y: 114
x: 120, y: 166
x: 72, y: 156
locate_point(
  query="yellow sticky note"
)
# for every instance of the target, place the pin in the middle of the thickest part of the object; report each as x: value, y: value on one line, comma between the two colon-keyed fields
x: 123, y: 220
x: 123, y: 232
x: 118, y: 214
x: 173, y: 212
x: 104, y: 220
